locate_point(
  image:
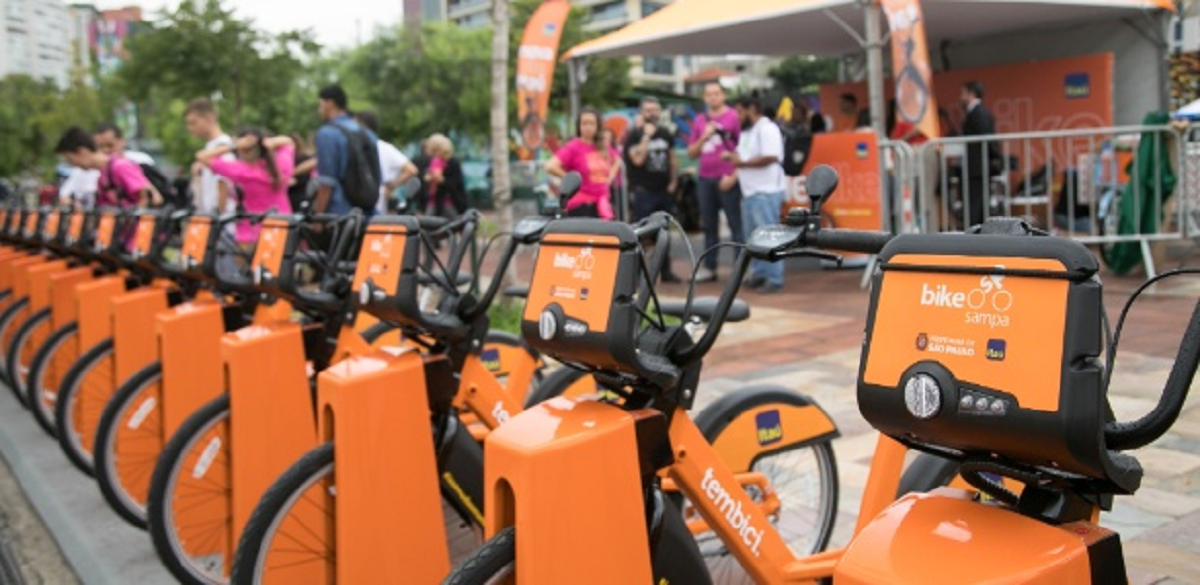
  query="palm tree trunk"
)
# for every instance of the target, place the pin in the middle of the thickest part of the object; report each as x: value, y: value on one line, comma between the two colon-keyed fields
x: 501, y: 183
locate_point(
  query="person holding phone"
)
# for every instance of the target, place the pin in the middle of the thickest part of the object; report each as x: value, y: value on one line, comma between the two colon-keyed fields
x: 715, y: 133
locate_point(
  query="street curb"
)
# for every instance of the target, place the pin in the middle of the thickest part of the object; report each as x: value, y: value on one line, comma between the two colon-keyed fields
x: 100, y: 547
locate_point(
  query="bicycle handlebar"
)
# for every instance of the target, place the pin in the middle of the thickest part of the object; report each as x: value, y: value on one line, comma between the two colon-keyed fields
x: 798, y: 239
x: 1137, y: 434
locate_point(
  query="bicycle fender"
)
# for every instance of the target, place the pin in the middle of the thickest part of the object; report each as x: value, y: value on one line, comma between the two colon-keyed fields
x: 676, y: 557
x: 763, y: 419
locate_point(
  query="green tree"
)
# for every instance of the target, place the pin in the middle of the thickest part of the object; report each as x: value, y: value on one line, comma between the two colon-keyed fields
x: 804, y: 74
x: 34, y: 113
x: 201, y: 48
x: 437, y: 82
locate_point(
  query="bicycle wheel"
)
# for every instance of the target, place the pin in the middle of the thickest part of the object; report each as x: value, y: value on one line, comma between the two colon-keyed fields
x: 45, y: 374
x: 128, y: 443
x: 502, y: 352
x: 8, y: 318
x: 289, y: 537
x: 19, y: 352
x: 188, y: 510
x: 494, y: 563
x: 565, y: 381
x: 805, y: 481
x: 803, y: 476
x: 82, y: 397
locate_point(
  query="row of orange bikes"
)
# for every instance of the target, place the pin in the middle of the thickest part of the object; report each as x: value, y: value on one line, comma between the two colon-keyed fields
x: 331, y: 404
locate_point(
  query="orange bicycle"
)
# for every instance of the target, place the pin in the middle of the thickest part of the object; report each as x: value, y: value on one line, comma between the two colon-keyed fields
x: 677, y: 503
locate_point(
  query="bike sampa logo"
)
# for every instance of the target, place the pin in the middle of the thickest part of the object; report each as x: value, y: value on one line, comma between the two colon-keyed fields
x: 986, y: 305
x: 732, y: 510
x: 581, y: 264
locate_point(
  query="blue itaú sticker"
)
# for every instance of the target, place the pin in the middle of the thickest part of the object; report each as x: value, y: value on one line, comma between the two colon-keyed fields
x: 770, y: 427
x: 491, y: 359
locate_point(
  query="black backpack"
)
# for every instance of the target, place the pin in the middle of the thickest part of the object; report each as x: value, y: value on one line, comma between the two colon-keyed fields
x: 165, y: 187
x: 361, y: 182
x: 797, y: 144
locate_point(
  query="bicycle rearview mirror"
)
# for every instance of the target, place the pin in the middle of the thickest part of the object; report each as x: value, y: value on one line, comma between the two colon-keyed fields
x: 571, y: 183
x: 821, y: 184
x: 410, y: 187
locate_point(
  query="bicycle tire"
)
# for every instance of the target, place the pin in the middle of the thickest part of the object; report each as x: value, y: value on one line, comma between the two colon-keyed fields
x: 496, y: 560
x: 726, y: 569
x: 565, y: 381
x: 316, y: 469
x: 7, y: 318
x: 291, y: 488
x: 21, y: 341
x: 925, y: 473
x: 127, y: 495
x: 160, y: 512
x: 42, y: 396
x: 74, y: 443
x: 803, y: 475
x: 494, y: 338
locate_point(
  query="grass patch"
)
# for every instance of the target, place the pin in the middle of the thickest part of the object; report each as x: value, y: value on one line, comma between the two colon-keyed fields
x: 505, y: 315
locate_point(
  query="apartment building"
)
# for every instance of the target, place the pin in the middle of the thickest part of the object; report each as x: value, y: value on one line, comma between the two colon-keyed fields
x: 32, y: 40
x: 603, y: 15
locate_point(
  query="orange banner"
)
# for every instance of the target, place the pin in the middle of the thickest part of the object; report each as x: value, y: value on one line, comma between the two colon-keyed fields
x: 915, y: 102
x: 536, y: 58
x: 855, y: 157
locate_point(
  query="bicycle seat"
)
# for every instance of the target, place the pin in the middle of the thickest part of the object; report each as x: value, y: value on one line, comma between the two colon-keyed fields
x: 517, y: 292
x: 460, y: 280
x: 703, y: 309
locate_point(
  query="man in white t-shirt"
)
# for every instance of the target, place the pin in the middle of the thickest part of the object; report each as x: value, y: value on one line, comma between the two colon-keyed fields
x: 763, y: 185
x: 79, y: 188
x: 394, y: 167
x: 210, y: 193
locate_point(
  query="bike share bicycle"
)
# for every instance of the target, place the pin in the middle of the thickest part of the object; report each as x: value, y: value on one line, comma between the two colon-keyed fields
x: 149, y: 406
x: 642, y: 457
x: 205, y: 485
x: 1025, y: 401
x: 408, y: 496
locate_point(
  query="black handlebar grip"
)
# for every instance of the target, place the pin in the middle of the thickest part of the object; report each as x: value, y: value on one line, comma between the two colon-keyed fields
x: 850, y: 240
x: 1142, y: 432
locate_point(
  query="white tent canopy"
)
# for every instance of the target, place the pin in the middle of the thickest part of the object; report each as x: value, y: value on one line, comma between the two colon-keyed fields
x: 818, y: 27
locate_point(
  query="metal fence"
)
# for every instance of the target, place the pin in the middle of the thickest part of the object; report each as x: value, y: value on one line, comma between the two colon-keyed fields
x: 1097, y: 185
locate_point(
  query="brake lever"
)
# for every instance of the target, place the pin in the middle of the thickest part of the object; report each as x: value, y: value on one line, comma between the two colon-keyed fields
x: 814, y: 253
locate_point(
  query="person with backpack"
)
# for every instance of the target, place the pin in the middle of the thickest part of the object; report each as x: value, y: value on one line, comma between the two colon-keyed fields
x: 347, y: 159
x: 110, y: 140
x: 262, y: 171
x: 121, y: 183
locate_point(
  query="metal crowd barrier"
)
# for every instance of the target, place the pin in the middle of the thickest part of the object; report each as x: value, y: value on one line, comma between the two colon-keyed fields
x: 1068, y: 182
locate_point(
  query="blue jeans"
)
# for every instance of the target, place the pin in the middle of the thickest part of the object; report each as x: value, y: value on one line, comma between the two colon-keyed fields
x: 759, y: 210
x: 712, y: 201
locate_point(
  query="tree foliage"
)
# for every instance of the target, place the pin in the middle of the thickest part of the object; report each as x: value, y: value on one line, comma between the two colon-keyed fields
x: 804, y: 74
x: 437, y: 82
x: 201, y: 49
x: 35, y: 112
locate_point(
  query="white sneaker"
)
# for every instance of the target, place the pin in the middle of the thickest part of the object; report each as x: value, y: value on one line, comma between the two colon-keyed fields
x: 705, y: 275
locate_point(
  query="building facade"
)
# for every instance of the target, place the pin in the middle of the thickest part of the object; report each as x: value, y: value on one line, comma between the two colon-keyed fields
x: 32, y: 40
x: 660, y: 72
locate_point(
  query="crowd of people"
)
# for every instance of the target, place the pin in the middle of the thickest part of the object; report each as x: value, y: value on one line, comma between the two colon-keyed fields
x: 258, y: 171
x: 739, y: 151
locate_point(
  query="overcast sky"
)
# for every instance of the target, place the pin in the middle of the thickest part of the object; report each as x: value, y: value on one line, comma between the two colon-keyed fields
x: 335, y: 22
